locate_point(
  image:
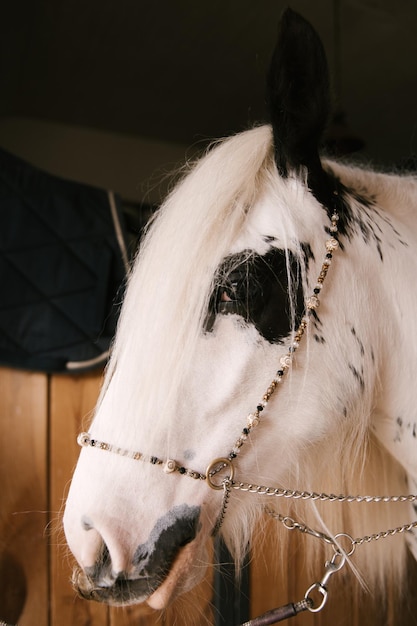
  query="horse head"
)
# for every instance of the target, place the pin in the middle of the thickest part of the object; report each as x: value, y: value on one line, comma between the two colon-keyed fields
x: 225, y: 368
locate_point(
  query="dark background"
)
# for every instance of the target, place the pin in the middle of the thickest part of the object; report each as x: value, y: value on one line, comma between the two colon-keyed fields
x: 184, y: 71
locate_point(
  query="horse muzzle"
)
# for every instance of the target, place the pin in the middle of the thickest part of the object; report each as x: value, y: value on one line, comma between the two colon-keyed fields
x: 155, y: 573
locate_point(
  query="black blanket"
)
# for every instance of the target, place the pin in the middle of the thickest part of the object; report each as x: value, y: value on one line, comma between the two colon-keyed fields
x: 62, y: 268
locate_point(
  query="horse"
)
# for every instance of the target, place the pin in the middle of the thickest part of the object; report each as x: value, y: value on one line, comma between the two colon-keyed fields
x: 256, y: 365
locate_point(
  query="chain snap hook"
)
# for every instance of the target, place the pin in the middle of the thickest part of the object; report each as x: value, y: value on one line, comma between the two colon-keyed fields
x: 331, y: 567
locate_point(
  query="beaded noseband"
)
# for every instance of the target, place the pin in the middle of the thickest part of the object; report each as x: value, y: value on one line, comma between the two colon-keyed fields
x: 220, y: 465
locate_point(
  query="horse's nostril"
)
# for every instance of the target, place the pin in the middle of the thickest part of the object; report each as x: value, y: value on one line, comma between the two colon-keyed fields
x: 102, y: 565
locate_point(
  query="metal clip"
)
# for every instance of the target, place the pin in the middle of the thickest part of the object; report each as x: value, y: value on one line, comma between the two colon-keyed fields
x: 331, y: 567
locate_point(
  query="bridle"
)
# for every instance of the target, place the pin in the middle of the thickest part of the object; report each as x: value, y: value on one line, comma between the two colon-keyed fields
x: 217, y: 468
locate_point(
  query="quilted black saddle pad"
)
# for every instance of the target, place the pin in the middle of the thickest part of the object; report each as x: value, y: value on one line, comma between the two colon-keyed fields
x: 63, y: 264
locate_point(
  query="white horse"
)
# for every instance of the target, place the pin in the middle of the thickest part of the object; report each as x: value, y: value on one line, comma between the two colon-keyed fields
x: 268, y: 337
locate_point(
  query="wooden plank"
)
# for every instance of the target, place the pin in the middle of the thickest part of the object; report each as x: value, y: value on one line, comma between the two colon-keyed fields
x: 72, y: 398
x: 23, y: 510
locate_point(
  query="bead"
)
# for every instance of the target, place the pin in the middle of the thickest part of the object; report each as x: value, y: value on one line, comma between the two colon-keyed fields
x: 332, y: 244
x: 83, y: 439
x: 245, y: 431
x: 182, y: 470
x: 137, y: 456
x: 253, y: 420
x: 260, y: 407
x: 313, y: 302
x: 154, y: 460
x: 170, y: 466
x: 285, y: 361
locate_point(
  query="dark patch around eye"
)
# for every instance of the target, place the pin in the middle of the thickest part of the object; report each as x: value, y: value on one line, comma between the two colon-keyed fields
x: 256, y: 288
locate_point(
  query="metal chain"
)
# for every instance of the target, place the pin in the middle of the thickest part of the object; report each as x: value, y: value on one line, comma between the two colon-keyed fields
x: 226, y: 485
x: 290, y: 524
x: 385, y: 534
x: 312, y: 495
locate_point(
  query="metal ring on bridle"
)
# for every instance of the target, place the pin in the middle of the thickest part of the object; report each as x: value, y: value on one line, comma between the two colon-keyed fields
x: 214, y: 469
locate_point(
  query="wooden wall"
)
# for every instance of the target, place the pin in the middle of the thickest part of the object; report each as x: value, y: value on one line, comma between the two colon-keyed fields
x: 40, y: 417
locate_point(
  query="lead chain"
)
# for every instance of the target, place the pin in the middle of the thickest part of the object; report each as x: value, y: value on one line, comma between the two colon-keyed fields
x: 290, y: 524
x: 294, y: 494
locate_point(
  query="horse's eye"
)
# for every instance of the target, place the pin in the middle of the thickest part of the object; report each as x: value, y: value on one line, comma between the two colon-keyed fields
x: 232, y: 290
x: 242, y: 290
x: 224, y: 297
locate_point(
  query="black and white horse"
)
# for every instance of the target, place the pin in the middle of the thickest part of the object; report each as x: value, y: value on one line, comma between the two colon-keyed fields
x: 268, y: 337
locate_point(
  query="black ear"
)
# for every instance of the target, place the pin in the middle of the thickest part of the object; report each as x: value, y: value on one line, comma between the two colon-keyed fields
x: 298, y: 95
